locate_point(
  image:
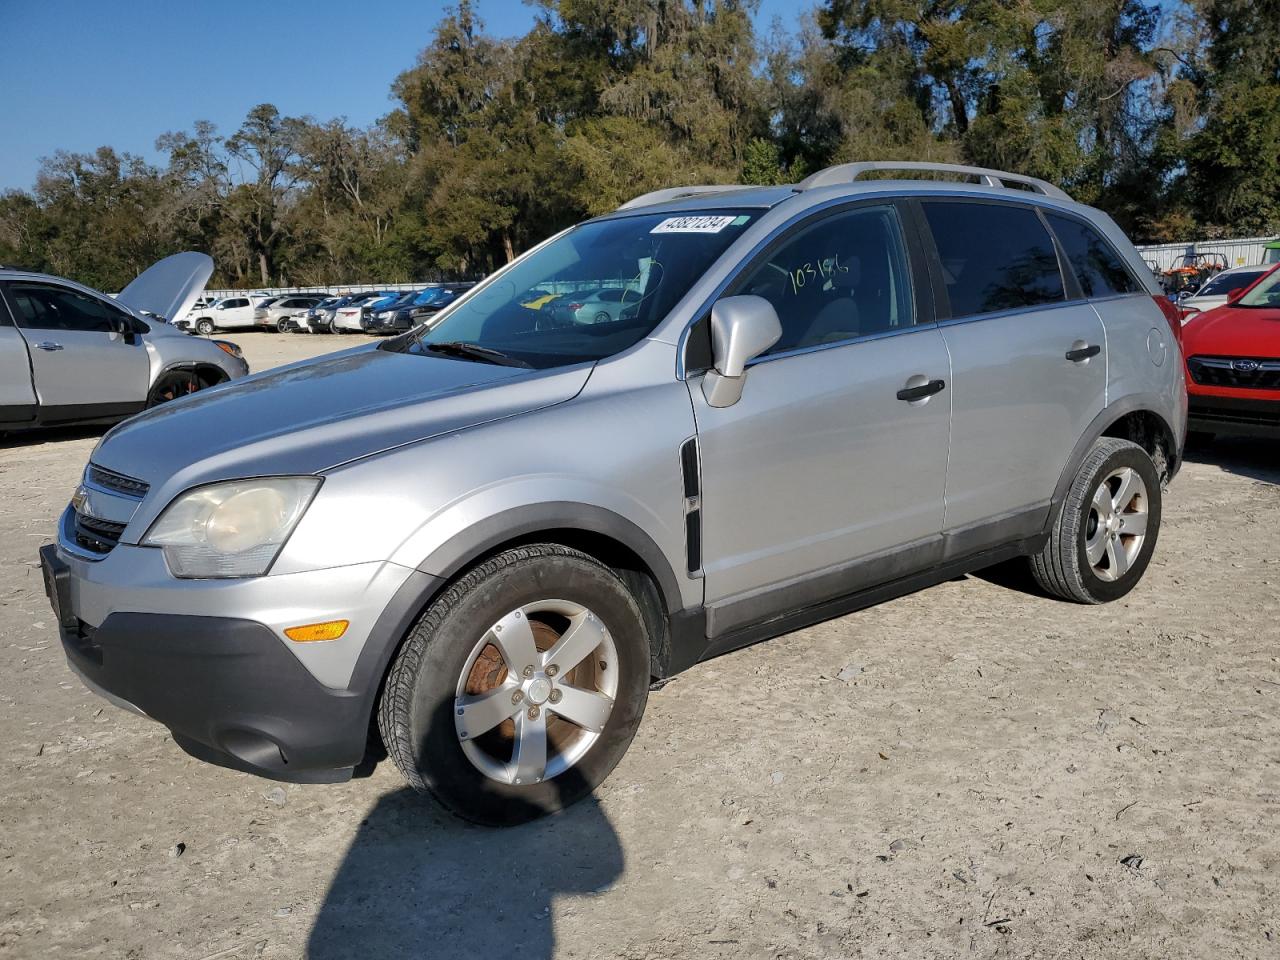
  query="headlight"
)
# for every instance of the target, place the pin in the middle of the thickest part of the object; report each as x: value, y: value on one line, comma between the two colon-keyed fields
x: 233, y: 529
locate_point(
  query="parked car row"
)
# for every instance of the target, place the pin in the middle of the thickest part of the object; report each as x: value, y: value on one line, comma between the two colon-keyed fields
x: 371, y: 311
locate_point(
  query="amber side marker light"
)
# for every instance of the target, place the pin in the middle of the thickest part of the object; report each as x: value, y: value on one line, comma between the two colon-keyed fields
x: 311, y: 632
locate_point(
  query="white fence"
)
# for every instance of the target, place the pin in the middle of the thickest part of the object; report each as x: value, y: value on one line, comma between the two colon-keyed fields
x: 1239, y: 253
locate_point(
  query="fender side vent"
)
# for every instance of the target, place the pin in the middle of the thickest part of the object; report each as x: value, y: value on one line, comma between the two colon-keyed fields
x: 689, y: 467
x: 693, y: 540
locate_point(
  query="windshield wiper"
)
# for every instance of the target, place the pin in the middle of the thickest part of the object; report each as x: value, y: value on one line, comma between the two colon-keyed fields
x: 473, y: 351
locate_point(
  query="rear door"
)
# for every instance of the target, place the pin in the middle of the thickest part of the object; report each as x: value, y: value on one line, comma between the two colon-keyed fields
x: 17, y: 395
x: 1029, y: 364
x: 81, y: 362
x: 826, y: 477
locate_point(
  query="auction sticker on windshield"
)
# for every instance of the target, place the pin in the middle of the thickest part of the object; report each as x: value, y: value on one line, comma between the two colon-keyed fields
x: 701, y: 224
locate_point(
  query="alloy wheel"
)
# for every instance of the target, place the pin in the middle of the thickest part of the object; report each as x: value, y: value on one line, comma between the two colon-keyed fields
x: 1116, y: 527
x: 536, y: 692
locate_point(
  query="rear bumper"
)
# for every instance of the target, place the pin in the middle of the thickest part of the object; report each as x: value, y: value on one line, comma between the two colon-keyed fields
x: 1234, y: 416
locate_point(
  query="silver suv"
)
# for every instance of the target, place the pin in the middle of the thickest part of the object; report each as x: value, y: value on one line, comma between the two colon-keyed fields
x: 485, y: 538
x: 70, y: 354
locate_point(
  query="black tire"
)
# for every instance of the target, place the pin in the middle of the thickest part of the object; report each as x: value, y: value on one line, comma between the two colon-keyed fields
x: 1062, y: 568
x: 415, y: 715
x: 280, y: 328
x: 205, y: 327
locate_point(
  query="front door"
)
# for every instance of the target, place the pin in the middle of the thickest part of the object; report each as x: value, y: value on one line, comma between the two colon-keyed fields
x: 79, y: 357
x: 820, y: 480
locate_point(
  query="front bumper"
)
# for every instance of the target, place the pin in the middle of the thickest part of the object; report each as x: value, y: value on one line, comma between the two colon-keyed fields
x: 1233, y: 416
x: 215, y: 669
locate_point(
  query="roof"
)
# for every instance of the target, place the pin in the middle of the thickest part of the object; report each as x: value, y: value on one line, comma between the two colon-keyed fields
x: 847, y: 178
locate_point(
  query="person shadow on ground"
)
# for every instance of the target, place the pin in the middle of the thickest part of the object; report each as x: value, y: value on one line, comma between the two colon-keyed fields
x: 418, y: 882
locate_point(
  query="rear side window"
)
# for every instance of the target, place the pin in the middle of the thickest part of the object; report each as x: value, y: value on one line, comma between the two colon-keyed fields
x: 1098, y: 267
x: 994, y: 257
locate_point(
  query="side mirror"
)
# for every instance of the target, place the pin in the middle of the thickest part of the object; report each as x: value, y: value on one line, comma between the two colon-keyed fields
x: 1236, y: 294
x: 742, y: 328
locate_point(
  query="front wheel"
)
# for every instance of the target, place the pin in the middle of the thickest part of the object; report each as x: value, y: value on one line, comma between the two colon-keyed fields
x: 205, y: 328
x: 1105, y: 530
x: 520, y: 688
x: 172, y: 385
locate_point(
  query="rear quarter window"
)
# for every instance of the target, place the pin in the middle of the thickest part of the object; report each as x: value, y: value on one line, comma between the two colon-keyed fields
x: 1097, y: 266
x: 994, y: 256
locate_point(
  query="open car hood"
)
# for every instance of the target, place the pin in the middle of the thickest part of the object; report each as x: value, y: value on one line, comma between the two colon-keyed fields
x: 170, y: 286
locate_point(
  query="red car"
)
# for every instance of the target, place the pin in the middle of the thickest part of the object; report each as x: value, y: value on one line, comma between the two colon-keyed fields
x: 1233, y: 363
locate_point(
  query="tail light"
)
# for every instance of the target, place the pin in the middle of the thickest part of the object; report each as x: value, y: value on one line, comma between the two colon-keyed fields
x: 1173, y: 316
x: 574, y: 306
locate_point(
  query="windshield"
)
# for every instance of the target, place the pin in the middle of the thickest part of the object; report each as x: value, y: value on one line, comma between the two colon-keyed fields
x: 1224, y: 283
x: 593, y: 292
x: 1265, y: 294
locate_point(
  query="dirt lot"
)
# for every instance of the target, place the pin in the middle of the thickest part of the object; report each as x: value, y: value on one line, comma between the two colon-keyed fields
x: 971, y: 771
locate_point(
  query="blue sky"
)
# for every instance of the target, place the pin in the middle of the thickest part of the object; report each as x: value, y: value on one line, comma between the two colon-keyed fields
x: 77, y: 74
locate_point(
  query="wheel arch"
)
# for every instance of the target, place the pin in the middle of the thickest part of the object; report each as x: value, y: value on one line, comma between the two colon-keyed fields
x: 607, y: 536
x: 1133, y: 418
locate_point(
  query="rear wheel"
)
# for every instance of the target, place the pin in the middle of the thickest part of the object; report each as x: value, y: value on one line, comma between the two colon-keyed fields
x: 520, y: 688
x: 1105, y: 530
x: 281, y: 325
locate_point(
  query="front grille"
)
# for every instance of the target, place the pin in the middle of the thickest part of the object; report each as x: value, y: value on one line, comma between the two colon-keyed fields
x: 116, y: 482
x: 1248, y: 373
x: 95, y: 535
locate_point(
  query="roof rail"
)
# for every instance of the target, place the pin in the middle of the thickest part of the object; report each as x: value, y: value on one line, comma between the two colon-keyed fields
x: 849, y: 172
x: 677, y: 193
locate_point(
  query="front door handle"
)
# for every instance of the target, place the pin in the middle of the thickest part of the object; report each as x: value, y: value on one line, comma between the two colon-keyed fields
x: 921, y: 391
x: 49, y: 345
x: 1081, y: 351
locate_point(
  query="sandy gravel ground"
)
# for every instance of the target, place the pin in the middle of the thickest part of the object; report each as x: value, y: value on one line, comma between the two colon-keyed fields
x: 972, y: 771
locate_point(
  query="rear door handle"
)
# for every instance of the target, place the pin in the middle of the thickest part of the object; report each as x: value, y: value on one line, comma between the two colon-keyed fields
x: 49, y: 345
x: 922, y: 391
x: 1078, y: 354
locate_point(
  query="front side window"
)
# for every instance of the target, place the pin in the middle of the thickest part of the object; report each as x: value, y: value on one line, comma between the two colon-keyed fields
x: 42, y: 307
x: 995, y: 257
x: 842, y: 277
x: 1097, y: 266
x: 1265, y: 294
x: 524, y: 316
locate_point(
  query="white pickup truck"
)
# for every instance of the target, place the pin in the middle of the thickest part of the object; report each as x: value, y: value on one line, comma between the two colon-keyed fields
x: 229, y: 313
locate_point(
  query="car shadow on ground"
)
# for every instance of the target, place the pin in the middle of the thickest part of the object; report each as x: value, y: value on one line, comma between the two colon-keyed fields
x: 419, y: 882
x: 37, y: 436
x: 1257, y: 458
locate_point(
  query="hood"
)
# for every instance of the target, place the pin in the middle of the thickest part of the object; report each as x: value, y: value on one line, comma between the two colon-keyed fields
x: 309, y: 416
x: 1233, y: 332
x: 170, y: 286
